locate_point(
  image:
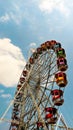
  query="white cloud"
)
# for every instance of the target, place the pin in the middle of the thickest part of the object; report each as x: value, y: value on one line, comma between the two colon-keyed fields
x: 14, y: 13
x: 11, y: 16
x: 18, y: 11
x: 11, y: 63
x: 6, y: 96
x: 5, y: 18
x: 16, y: 18
x: 48, y: 6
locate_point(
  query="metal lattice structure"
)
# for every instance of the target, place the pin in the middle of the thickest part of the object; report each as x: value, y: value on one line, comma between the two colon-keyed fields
x: 40, y: 90
x: 33, y: 93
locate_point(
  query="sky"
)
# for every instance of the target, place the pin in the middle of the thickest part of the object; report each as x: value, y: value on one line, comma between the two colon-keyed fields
x: 25, y: 24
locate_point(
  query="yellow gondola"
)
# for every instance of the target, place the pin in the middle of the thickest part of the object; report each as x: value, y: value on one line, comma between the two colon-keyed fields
x: 61, y: 79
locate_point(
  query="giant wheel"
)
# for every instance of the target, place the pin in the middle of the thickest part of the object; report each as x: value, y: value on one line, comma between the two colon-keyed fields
x: 40, y: 89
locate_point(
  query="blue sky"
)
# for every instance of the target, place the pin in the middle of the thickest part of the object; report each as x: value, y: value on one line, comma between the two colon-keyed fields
x: 25, y: 24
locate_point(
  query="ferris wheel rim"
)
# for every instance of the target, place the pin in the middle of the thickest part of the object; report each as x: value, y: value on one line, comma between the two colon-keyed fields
x: 41, y: 69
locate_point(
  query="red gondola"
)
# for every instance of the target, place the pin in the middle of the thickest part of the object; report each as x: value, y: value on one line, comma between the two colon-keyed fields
x: 51, y: 115
x: 61, y: 79
x: 51, y: 110
x: 31, y: 60
x: 62, y: 64
x: 24, y: 73
x: 57, y: 97
x: 39, y: 126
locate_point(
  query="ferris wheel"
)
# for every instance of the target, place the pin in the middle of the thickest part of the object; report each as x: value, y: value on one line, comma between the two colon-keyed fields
x: 40, y: 89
